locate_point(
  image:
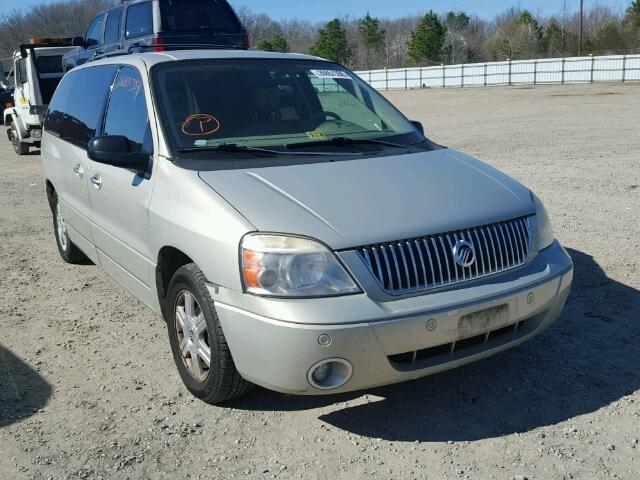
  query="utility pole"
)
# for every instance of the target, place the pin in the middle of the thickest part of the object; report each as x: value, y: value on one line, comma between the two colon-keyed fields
x: 581, y: 27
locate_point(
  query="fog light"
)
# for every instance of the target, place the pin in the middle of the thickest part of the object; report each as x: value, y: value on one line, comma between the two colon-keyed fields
x: 330, y: 374
x: 322, y: 373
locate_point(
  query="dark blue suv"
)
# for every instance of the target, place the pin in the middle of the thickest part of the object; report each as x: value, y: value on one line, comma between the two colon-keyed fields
x: 158, y: 25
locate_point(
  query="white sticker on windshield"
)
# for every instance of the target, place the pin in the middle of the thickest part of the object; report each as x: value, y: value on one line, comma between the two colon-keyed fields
x: 330, y: 74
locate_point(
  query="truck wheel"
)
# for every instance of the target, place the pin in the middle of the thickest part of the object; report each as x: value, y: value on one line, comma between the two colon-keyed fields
x: 199, y: 347
x: 68, y: 250
x: 21, y: 148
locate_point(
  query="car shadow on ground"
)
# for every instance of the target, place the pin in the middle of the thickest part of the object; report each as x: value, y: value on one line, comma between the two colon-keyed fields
x: 583, y: 363
x: 22, y: 391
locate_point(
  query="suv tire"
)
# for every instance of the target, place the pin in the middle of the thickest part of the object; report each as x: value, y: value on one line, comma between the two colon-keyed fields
x: 196, y: 339
x: 21, y: 148
x: 69, y: 252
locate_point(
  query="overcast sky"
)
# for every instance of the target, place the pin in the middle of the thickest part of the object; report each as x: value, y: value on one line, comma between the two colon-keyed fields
x: 326, y: 9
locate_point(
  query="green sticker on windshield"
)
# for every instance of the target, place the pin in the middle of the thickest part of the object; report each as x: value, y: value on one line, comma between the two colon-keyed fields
x: 317, y: 135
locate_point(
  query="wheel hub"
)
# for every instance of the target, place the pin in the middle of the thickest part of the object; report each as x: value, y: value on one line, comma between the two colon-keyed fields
x: 61, y: 229
x: 192, y: 336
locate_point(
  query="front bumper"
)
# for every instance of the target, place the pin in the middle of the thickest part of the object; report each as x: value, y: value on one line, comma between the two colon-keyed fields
x: 275, y: 342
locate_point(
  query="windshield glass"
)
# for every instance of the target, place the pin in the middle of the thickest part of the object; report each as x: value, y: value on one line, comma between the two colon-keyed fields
x: 271, y: 103
x: 190, y: 15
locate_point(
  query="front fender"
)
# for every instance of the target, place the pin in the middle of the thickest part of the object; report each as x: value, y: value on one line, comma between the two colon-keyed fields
x: 11, y: 115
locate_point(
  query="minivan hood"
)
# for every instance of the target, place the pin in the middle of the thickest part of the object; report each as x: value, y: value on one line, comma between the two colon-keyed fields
x: 359, y: 202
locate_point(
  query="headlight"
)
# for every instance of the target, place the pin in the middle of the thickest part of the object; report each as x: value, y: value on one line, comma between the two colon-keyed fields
x: 283, y: 266
x: 545, y: 230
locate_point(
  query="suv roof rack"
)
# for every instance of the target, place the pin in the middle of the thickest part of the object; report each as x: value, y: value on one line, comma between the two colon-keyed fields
x: 167, y: 46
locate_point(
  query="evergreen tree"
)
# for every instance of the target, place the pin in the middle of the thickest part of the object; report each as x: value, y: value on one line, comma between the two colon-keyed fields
x: 372, y: 36
x: 555, y: 40
x: 457, y: 21
x: 427, y: 40
x: 535, y: 28
x: 633, y: 14
x: 332, y: 43
x: 277, y: 43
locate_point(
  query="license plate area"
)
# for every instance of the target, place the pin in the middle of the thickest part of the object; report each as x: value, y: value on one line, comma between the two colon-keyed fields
x: 483, y: 321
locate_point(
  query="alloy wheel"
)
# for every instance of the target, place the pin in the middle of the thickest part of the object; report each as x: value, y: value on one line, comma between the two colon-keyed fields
x: 192, y: 336
x: 61, y: 229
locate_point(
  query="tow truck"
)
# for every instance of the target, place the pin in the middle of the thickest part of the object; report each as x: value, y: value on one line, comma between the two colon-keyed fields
x: 37, y: 71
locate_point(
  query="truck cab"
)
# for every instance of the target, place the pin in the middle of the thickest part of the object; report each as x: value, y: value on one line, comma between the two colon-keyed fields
x: 6, y: 92
x: 37, y: 71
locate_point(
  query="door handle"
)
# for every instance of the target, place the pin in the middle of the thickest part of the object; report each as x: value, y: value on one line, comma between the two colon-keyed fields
x: 78, y: 171
x: 96, y: 181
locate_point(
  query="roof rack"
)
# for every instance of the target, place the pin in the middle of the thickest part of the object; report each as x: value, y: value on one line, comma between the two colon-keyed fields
x: 186, y: 46
x: 167, y: 47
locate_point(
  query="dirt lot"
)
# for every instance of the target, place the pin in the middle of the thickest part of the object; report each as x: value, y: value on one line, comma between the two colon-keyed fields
x: 88, y: 388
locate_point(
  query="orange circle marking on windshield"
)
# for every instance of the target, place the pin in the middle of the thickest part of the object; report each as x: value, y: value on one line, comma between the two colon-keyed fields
x: 200, y: 124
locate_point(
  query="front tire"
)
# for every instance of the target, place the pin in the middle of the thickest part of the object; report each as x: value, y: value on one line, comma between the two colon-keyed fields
x: 20, y: 148
x: 69, y: 252
x: 199, y: 348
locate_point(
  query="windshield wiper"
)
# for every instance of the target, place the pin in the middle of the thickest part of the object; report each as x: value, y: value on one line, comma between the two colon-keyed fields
x: 339, y: 141
x: 236, y: 147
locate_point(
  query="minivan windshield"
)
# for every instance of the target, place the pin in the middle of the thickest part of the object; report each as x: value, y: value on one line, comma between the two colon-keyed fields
x: 271, y: 103
x: 198, y: 15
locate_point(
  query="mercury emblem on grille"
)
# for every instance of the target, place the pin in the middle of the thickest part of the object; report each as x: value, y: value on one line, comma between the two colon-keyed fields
x: 464, y: 253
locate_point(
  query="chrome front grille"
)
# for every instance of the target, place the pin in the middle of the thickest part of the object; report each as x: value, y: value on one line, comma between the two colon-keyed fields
x: 425, y: 263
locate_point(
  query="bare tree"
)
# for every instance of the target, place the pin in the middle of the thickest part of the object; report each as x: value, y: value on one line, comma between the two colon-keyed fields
x: 606, y: 31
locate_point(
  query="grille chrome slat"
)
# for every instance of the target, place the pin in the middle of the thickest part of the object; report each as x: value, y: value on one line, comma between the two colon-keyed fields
x: 395, y: 262
x: 477, y: 263
x: 413, y: 262
x: 424, y: 267
x: 435, y: 249
x: 482, y: 256
x: 425, y: 263
x: 518, y: 241
x: 505, y: 229
x: 446, y: 258
x: 387, y: 264
x: 500, y: 246
x: 433, y: 272
x: 405, y: 264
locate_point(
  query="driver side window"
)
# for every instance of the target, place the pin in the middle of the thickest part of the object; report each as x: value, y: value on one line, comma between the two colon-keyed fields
x: 127, y: 111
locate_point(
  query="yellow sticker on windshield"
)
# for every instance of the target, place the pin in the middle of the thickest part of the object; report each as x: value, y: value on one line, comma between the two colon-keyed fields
x: 317, y: 135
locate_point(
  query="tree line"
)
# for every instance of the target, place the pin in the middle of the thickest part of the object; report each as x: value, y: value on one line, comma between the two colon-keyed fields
x: 453, y: 37
x: 372, y: 42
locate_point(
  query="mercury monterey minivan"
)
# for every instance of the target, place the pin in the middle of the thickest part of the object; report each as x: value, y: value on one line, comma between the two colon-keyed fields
x: 292, y: 227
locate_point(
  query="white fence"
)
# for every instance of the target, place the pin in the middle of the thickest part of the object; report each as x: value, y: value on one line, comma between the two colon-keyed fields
x: 614, y: 68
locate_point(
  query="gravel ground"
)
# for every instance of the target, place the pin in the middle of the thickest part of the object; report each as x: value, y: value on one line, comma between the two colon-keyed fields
x: 88, y: 388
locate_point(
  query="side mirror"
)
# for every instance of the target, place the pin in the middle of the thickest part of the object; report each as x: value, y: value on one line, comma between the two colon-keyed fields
x: 115, y: 150
x: 77, y: 42
x: 418, y: 126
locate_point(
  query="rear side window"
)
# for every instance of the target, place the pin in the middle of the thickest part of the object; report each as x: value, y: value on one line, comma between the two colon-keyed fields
x: 112, y: 28
x: 77, y: 106
x: 198, y: 15
x: 139, y: 20
x: 49, y: 64
x: 94, y: 34
x: 127, y: 111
